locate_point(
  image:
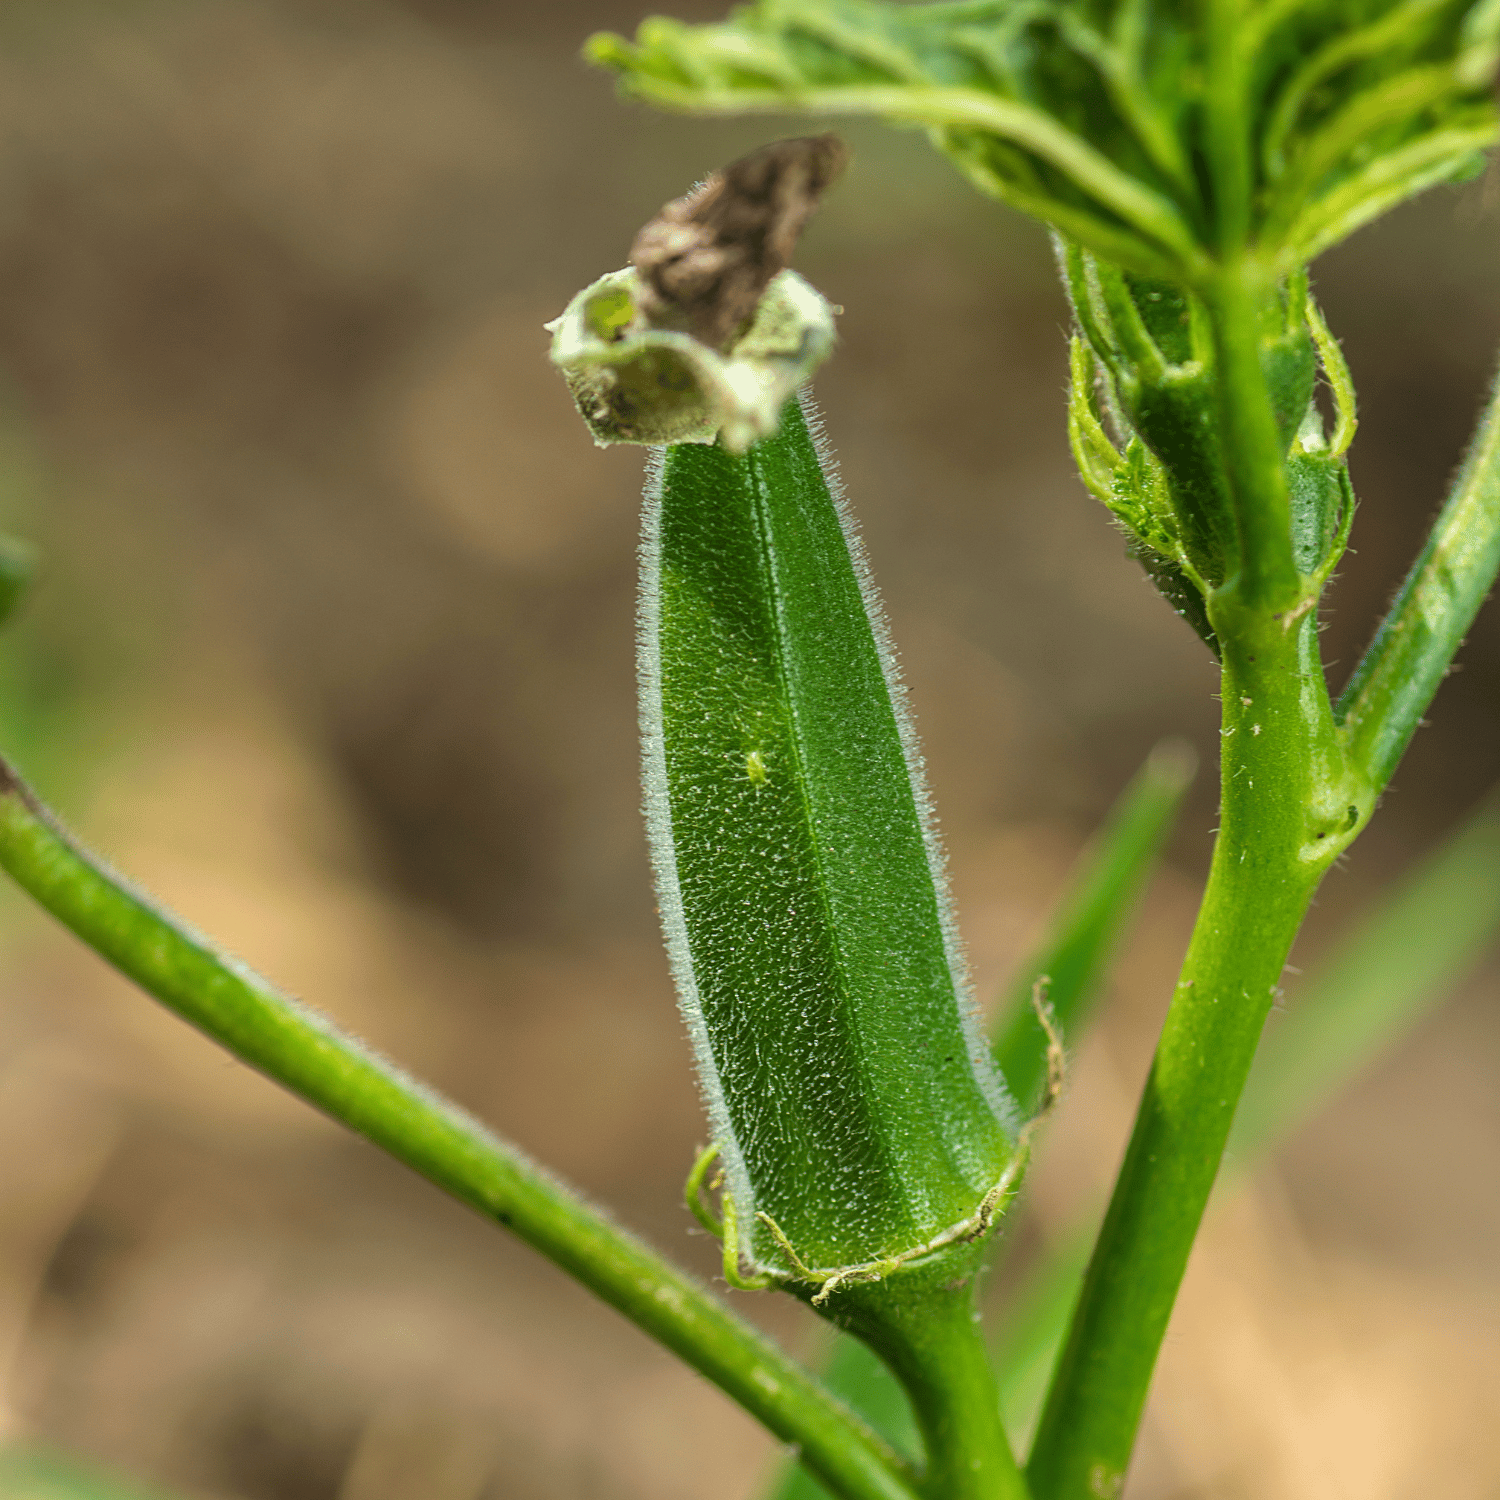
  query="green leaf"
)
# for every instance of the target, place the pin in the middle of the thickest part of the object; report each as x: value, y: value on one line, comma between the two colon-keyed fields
x: 1026, y: 1344
x: 1158, y: 137
x: 1092, y: 917
x: 856, y: 1111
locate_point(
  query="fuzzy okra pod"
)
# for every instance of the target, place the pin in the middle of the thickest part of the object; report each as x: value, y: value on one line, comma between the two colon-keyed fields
x: 857, y: 1116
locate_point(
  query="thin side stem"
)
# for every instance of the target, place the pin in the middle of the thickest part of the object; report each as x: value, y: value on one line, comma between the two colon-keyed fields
x: 1380, y: 709
x: 1287, y: 809
x: 958, y: 1411
x: 307, y: 1054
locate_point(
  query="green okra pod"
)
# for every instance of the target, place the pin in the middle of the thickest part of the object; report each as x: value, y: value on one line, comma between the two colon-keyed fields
x: 856, y: 1112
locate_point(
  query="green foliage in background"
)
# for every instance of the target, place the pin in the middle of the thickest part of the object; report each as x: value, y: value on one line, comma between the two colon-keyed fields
x: 33, y: 1473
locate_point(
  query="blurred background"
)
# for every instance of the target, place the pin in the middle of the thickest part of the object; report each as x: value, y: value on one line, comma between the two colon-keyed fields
x: 332, y: 647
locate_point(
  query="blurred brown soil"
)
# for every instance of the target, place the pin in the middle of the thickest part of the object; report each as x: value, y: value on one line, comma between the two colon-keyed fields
x: 338, y: 620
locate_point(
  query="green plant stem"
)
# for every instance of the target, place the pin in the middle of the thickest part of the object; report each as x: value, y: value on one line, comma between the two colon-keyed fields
x: 958, y: 1411
x: 1394, y: 965
x: 930, y: 1336
x: 1287, y: 809
x: 1380, y: 709
x: 1399, y: 958
x: 304, y: 1052
x: 1265, y: 576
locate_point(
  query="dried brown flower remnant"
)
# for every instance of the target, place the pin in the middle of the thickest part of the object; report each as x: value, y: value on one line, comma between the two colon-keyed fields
x: 706, y: 258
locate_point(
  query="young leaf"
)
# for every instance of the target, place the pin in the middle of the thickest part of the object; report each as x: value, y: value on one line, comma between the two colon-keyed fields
x: 856, y: 1111
x: 1144, y: 364
x: 1159, y: 138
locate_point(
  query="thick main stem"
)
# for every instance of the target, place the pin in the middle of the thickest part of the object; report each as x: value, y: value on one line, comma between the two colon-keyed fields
x: 1287, y: 809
